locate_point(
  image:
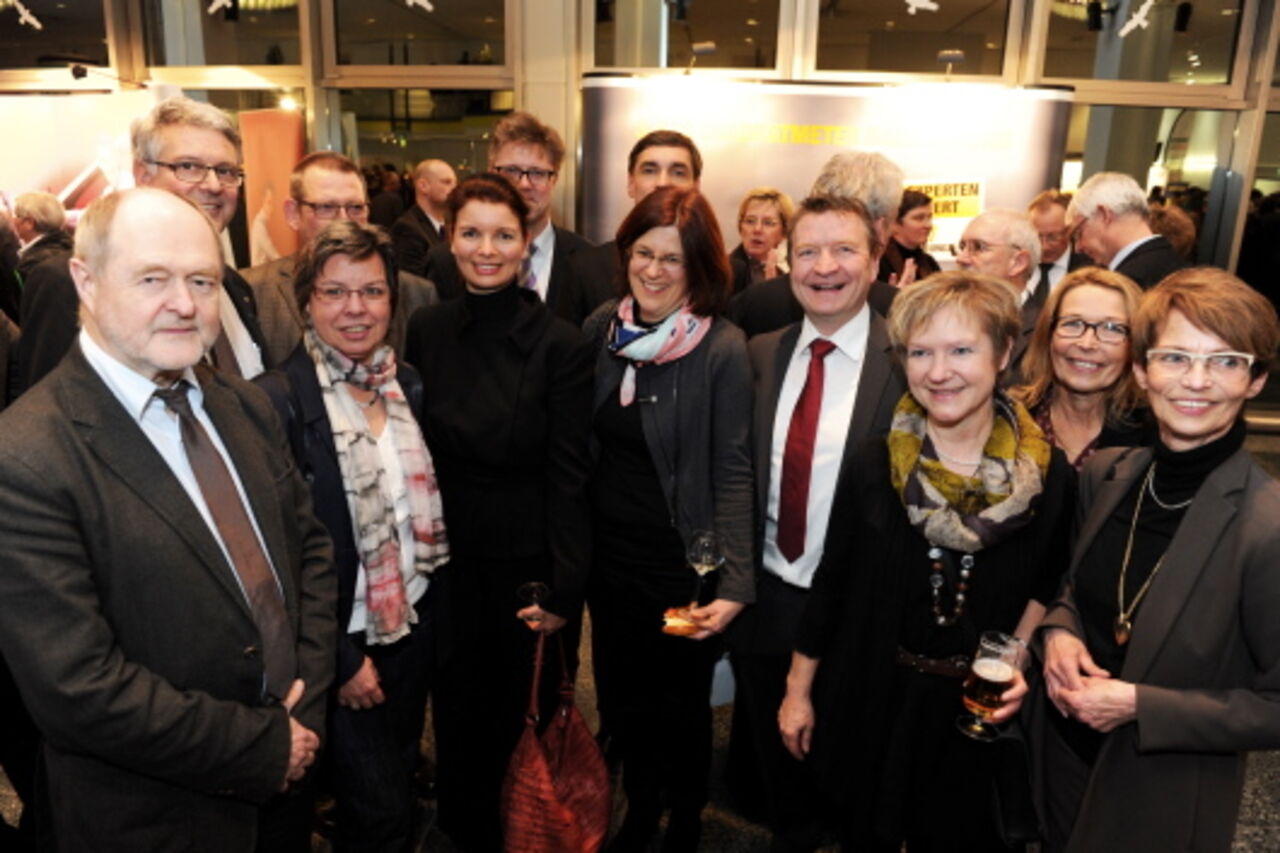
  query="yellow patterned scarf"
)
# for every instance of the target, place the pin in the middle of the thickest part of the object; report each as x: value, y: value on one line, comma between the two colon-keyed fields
x: 969, y: 513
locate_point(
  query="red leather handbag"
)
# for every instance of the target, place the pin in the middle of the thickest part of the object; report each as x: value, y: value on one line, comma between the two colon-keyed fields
x: 555, y: 798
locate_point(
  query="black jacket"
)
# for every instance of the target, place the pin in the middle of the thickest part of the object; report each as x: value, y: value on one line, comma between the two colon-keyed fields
x: 295, y: 392
x: 770, y: 305
x: 1152, y: 261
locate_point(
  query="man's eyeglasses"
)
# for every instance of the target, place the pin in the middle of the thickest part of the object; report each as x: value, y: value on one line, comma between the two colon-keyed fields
x: 193, y: 172
x: 975, y: 247
x: 1220, y: 365
x: 1106, y: 331
x: 335, y: 293
x: 537, y: 177
x: 329, y: 210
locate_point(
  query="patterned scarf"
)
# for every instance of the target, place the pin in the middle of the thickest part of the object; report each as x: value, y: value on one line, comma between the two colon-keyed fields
x: 969, y: 513
x: 676, y: 336
x: 373, y: 514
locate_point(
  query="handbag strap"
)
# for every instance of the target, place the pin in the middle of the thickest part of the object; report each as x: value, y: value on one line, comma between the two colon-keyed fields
x: 531, y: 715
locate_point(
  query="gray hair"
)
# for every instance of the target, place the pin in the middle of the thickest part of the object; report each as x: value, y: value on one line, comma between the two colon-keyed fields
x: 871, y: 178
x: 1015, y: 228
x: 42, y: 208
x: 1116, y: 191
x: 174, y: 112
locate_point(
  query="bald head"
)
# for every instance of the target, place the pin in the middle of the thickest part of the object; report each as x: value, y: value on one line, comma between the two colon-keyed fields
x: 1001, y: 243
x: 433, y: 180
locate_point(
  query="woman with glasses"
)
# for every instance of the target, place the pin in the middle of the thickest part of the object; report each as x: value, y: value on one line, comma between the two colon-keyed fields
x: 670, y: 436
x: 507, y: 396
x: 1162, y: 655
x: 763, y: 215
x: 351, y: 413
x: 959, y: 526
x: 905, y: 259
x: 1078, y: 382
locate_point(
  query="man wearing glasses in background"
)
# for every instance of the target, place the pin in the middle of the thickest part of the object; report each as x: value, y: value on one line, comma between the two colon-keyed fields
x: 1048, y: 212
x: 529, y: 154
x: 325, y: 186
x: 189, y: 149
x: 1003, y: 243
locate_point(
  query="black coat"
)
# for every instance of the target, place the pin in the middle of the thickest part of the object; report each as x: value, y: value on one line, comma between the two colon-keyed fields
x: 870, y: 584
x: 413, y: 236
x: 1151, y: 262
x: 295, y: 392
x: 507, y: 418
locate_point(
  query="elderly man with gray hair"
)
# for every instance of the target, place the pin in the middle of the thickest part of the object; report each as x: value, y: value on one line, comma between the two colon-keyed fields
x: 868, y: 177
x: 1003, y: 243
x: 38, y: 218
x: 1109, y: 220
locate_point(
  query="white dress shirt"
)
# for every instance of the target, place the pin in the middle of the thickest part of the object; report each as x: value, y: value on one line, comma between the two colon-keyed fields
x: 395, y: 492
x: 248, y: 357
x: 842, y: 374
x: 542, y: 247
x: 136, y: 393
x: 1127, y: 251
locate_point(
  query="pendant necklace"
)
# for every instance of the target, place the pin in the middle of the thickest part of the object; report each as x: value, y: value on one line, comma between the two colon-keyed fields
x: 1123, y: 625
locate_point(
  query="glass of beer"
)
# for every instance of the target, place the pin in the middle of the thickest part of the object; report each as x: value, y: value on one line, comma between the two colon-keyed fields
x: 992, y: 672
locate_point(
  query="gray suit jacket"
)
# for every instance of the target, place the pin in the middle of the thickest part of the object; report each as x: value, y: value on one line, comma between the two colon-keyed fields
x: 282, y: 323
x: 125, y: 626
x: 1205, y: 656
x: 880, y: 387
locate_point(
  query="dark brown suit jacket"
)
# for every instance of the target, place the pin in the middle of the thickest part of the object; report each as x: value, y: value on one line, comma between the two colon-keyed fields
x: 125, y: 626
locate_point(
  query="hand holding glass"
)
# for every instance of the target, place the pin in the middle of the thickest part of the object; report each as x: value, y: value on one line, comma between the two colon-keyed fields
x: 993, y: 671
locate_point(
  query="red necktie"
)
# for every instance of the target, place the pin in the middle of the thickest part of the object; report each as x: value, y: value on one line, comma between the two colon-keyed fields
x: 797, y: 459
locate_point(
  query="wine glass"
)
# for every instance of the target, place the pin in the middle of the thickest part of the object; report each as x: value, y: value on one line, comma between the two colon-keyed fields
x: 705, y: 554
x: 992, y: 672
x: 531, y: 593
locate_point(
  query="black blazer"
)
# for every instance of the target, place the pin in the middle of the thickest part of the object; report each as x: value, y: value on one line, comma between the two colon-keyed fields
x: 1151, y: 262
x: 50, y: 320
x: 295, y: 392
x: 567, y: 297
x: 507, y: 419
x: 413, y: 236
x: 880, y: 387
x: 770, y: 305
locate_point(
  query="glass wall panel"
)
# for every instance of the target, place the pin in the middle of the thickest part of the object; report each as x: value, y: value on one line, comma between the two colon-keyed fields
x: 396, y: 32
x: 907, y: 35
x: 1164, y: 42
x: 669, y: 33
x: 402, y: 127
x: 70, y: 31
x: 258, y: 32
x: 1181, y: 156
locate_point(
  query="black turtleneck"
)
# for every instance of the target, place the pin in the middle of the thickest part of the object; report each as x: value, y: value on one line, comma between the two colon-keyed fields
x: 1178, y: 476
x: 492, y: 311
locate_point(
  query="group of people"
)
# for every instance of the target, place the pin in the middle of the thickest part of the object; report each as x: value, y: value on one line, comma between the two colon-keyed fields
x: 222, y: 601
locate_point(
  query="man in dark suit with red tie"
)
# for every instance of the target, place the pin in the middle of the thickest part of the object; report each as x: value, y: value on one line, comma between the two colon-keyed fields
x: 822, y: 386
x: 169, y: 596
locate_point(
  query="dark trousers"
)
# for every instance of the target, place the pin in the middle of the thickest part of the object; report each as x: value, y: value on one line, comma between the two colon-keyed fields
x: 373, y: 753
x: 658, y: 700
x: 761, y: 657
x: 481, y: 691
x: 19, y: 756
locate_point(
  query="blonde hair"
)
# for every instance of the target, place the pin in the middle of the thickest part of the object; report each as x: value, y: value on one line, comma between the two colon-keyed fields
x: 990, y: 301
x: 786, y: 207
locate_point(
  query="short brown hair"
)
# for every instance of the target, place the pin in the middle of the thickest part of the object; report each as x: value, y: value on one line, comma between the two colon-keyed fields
x: 1173, y: 223
x: 331, y: 160
x: 1049, y: 198
x: 669, y: 139
x: 989, y: 300
x: 911, y: 199
x: 1037, y: 363
x: 488, y: 187
x: 706, y: 264
x: 342, y: 237
x: 1215, y: 301
x: 816, y: 204
x: 522, y: 127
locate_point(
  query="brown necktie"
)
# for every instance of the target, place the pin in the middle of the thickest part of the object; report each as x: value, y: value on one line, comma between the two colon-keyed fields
x: 224, y: 357
x: 250, y: 563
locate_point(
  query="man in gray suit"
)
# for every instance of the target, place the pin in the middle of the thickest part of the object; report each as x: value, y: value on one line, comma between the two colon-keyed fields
x: 169, y: 595
x: 324, y: 186
x: 822, y: 386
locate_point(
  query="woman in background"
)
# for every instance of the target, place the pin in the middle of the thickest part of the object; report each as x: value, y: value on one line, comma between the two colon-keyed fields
x: 763, y: 216
x: 905, y: 259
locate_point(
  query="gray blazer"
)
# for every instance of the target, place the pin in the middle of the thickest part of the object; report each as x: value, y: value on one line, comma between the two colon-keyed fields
x: 1205, y: 656
x: 125, y: 626
x: 697, y: 424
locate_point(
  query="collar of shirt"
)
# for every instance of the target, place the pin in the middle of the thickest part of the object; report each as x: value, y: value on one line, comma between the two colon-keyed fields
x: 850, y: 339
x: 1128, y: 250
x: 134, y: 391
x: 435, y: 223
x: 540, y: 262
